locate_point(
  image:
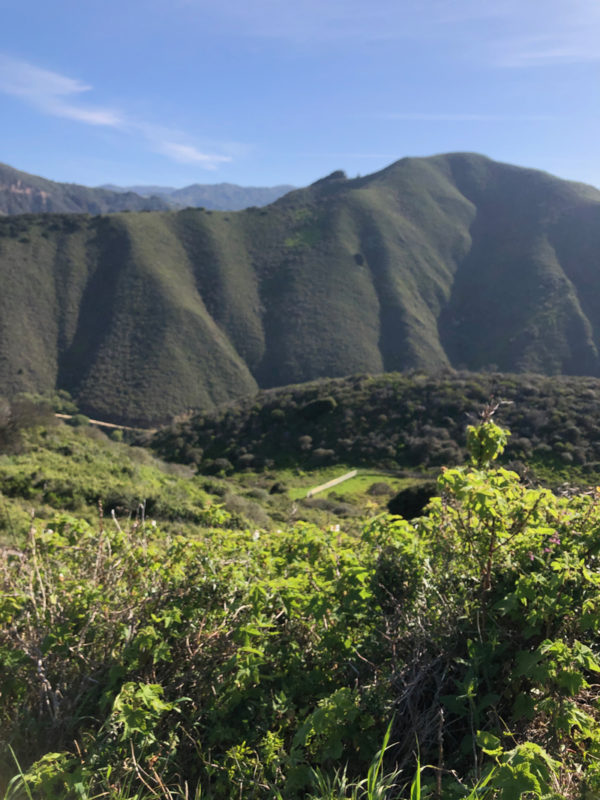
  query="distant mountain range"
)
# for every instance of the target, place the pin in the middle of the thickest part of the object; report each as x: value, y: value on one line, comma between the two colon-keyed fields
x: 218, y: 196
x: 453, y: 261
x: 21, y: 193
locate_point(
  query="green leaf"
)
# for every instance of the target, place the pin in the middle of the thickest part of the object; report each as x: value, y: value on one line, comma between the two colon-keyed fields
x: 415, y: 787
x: 489, y: 743
x: 253, y: 650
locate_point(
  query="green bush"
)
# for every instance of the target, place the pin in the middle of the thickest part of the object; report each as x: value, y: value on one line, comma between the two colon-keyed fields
x: 79, y: 421
x: 259, y: 664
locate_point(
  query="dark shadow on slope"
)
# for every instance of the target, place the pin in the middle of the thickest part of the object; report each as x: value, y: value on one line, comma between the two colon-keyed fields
x: 107, y: 251
x: 512, y: 307
x: 576, y: 240
x: 394, y: 347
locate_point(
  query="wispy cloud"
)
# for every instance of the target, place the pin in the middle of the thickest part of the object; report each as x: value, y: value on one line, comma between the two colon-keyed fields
x: 555, y: 33
x: 504, y: 33
x: 61, y: 96
x: 345, y: 155
x: 418, y: 116
x: 314, y: 22
x: 188, y: 154
x: 541, y: 51
x: 52, y: 93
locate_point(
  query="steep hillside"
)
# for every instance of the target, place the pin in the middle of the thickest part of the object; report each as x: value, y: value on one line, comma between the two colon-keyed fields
x: 109, y: 307
x: 449, y: 261
x: 21, y: 193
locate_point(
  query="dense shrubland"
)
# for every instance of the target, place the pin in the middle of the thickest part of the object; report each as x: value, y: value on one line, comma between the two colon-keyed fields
x: 47, y: 467
x: 396, y: 420
x: 255, y: 663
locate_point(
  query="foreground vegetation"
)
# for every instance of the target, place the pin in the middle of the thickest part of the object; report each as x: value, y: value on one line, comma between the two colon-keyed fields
x: 264, y: 662
x: 47, y: 467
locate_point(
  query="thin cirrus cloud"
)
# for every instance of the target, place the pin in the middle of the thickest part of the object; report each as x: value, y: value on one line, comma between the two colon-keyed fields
x: 541, y: 51
x: 505, y: 33
x: 52, y: 93
x: 502, y: 34
x: 559, y: 35
x: 188, y: 154
x: 451, y: 117
x: 60, y: 96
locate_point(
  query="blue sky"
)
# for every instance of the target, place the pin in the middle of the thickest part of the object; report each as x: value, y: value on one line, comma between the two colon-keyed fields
x: 263, y: 92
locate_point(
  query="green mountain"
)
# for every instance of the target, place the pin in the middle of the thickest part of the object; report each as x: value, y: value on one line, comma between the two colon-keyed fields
x: 218, y: 196
x: 21, y: 193
x: 453, y: 261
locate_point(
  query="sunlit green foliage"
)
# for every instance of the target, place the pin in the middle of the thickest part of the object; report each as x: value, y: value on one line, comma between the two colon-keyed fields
x: 261, y: 664
x: 59, y: 468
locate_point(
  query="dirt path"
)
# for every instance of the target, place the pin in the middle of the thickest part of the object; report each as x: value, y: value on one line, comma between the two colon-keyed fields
x: 111, y: 425
x: 330, y: 484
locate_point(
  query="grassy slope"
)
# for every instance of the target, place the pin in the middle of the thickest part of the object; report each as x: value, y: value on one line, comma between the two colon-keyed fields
x: 57, y: 469
x: 515, y: 302
x: 449, y: 261
x: 163, y: 349
x: 113, y: 314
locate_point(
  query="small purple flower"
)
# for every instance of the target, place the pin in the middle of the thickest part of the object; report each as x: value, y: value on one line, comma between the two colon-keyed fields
x: 531, y: 556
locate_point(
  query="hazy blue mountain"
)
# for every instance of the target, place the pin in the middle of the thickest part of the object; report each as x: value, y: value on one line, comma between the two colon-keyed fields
x: 218, y: 196
x: 21, y: 193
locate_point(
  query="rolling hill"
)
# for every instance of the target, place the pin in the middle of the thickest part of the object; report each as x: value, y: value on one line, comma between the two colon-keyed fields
x: 453, y: 261
x: 408, y: 420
